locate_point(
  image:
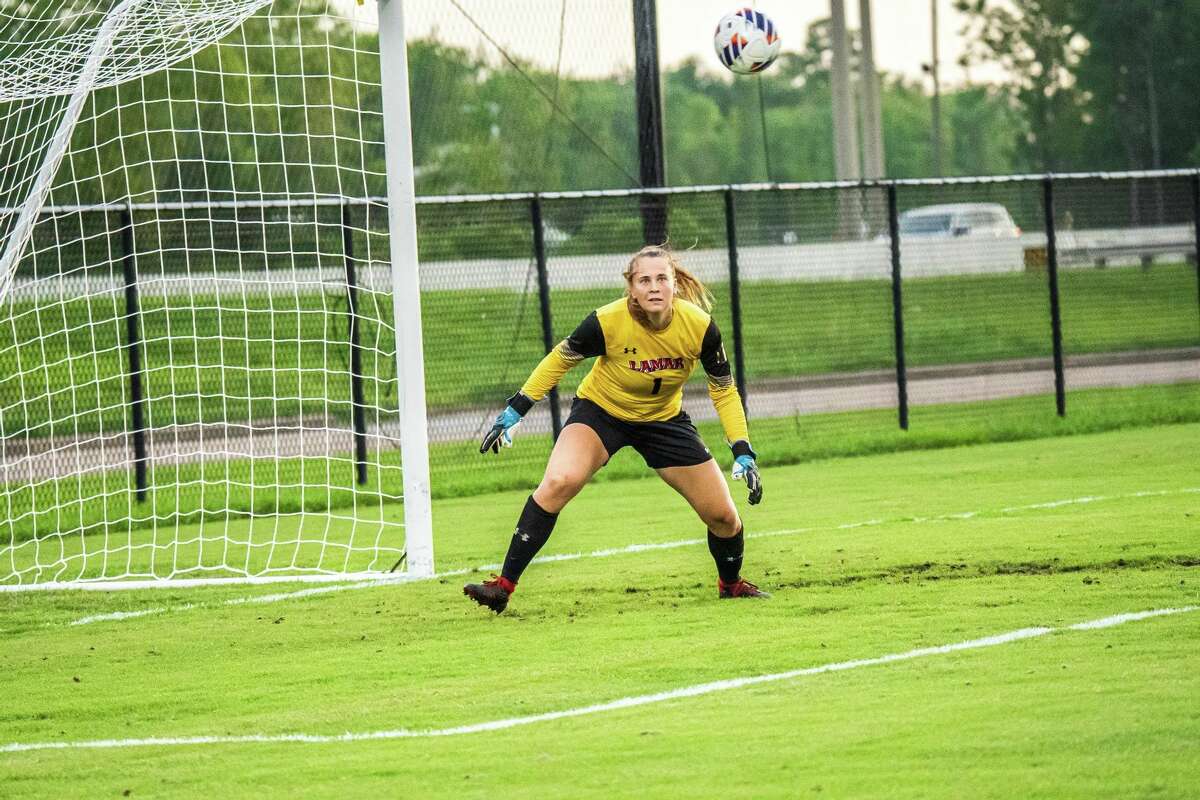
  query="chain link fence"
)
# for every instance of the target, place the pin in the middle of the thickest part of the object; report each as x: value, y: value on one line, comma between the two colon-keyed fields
x: 893, y: 296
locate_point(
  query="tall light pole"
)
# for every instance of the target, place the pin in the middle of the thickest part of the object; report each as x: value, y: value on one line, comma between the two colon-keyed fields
x: 845, y: 128
x: 872, y: 114
x: 937, y: 95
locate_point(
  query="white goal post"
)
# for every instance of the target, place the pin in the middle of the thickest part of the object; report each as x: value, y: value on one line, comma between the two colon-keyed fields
x: 211, y: 361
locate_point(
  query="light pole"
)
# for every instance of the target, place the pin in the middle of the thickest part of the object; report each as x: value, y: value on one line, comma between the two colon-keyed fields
x: 845, y: 127
x: 936, y: 108
x: 872, y: 123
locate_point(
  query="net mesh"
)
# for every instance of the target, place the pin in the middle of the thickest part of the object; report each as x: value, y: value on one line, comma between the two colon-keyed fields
x: 197, y: 351
x: 524, y: 95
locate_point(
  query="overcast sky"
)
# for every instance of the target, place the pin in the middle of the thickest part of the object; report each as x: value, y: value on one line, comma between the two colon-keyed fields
x: 598, y: 42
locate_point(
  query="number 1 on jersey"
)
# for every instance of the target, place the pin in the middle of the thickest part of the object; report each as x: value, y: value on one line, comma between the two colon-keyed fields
x: 657, y: 386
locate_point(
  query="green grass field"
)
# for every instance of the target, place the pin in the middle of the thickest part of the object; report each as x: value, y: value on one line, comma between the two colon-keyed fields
x: 234, y: 358
x: 866, y: 557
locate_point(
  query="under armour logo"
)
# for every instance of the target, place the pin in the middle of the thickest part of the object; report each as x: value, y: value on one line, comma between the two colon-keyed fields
x: 631, y: 350
x: 524, y: 537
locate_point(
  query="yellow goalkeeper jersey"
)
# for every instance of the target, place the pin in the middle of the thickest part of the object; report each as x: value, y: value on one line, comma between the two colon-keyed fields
x: 639, y: 373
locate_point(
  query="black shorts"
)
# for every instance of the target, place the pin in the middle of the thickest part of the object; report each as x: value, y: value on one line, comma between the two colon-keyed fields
x: 672, y: 443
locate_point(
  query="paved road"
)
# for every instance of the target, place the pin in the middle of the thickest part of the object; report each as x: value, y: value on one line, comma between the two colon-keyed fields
x: 45, y: 458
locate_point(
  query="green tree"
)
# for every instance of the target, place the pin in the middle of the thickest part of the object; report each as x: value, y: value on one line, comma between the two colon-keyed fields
x: 1099, y: 85
x: 1038, y: 47
x: 1141, y: 76
x: 981, y: 125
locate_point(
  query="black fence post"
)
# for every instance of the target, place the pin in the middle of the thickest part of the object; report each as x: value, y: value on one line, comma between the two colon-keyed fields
x: 539, y: 254
x: 1060, y: 391
x: 648, y: 93
x: 357, y: 402
x: 1196, y: 221
x: 897, y: 308
x: 133, y: 348
x: 735, y: 300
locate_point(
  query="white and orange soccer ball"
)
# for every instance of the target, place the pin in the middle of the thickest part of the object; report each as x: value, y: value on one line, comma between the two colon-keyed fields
x: 746, y: 41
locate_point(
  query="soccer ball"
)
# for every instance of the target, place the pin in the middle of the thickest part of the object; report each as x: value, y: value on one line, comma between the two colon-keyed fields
x: 746, y: 41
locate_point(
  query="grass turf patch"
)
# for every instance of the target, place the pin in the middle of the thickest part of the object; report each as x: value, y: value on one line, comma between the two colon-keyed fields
x: 1072, y: 714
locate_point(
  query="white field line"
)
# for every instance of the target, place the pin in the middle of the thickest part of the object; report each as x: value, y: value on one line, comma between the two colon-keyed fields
x: 695, y: 690
x: 605, y: 553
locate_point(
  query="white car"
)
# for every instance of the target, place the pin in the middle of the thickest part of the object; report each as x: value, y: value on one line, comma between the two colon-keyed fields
x: 959, y: 238
x: 990, y: 220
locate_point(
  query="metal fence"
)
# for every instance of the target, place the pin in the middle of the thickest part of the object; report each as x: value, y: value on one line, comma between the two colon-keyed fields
x: 835, y: 297
x: 888, y: 296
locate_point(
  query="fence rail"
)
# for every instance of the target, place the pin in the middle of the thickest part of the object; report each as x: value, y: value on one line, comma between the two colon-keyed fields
x: 451, y: 199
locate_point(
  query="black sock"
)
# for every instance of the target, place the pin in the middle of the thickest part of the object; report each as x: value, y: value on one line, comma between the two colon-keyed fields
x: 727, y: 552
x: 533, y: 529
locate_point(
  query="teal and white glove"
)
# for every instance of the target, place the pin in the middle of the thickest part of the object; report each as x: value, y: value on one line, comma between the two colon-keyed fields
x: 744, y: 469
x: 506, y: 422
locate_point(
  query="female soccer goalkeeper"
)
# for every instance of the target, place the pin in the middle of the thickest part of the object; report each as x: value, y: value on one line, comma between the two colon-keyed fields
x: 647, y: 344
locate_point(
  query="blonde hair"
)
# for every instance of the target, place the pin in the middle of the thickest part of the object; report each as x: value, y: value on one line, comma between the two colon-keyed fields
x: 687, y: 285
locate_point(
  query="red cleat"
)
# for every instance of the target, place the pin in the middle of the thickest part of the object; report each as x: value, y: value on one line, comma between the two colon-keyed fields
x: 493, y: 594
x: 740, y: 588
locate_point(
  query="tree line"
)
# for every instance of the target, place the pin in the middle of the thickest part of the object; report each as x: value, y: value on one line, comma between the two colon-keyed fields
x: 1092, y: 86
x: 1098, y: 85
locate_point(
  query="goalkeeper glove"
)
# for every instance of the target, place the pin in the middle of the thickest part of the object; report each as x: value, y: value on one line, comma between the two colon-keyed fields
x: 745, y: 469
x: 506, y: 421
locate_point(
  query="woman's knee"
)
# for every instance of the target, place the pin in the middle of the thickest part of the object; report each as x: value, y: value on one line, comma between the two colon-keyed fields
x: 558, y: 487
x: 723, y: 522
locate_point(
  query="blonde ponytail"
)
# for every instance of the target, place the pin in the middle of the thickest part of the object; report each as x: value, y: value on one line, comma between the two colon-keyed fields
x: 687, y: 285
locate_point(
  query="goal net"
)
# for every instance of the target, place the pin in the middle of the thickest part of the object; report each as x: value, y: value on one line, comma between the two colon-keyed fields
x: 198, y: 343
